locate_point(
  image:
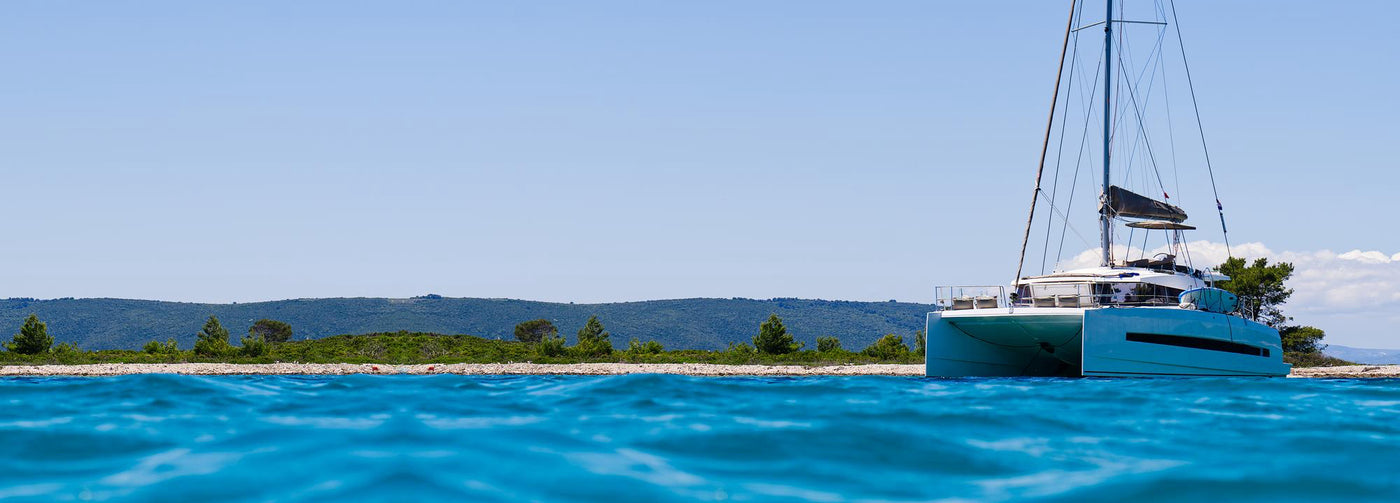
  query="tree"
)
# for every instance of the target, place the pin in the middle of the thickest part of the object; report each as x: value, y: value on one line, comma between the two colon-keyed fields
x: 272, y: 331
x: 889, y: 347
x: 1302, y: 339
x: 212, y: 339
x: 828, y: 344
x: 33, y: 337
x: 773, y: 338
x: 920, y: 343
x: 1262, y: 292
x: 1260, y: 287
x: 592, y: 340
x: 533, y: 331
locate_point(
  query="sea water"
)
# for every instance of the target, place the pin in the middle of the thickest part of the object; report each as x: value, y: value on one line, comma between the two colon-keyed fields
x: 675, y: 438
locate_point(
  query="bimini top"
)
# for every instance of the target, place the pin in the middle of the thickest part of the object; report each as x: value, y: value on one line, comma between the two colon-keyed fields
x: 1161, y: 224
x: 1123, y: 203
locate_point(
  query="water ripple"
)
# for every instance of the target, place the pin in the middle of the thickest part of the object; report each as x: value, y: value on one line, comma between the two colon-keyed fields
x: 655, y: 438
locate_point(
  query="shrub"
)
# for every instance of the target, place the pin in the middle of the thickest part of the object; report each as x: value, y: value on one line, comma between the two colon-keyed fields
x: 372, y: 348
x: 773, y: 338
x: 33, y: 337
x: 212, y: 348
x: 828, y: 344
x: 740, y: 348
x: 593, y: 348
x: 169, y: 347
x: 271, y: 331
x: 889, y: 347
x: 551, y: 345
x: 534, y: 331
x: 65, y: 349
x: 637, y: 347
x: 1317, y: 359
x: 253, y: 346
x: 434, y: 348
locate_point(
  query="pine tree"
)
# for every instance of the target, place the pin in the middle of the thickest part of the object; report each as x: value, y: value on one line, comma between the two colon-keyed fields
x: 1260, y: 287
x: 271, y: 331
x: 213, y: 339
x: 592, y: 340
x: 534, y: 331
x: 773, y: 338
x: 33, y: 338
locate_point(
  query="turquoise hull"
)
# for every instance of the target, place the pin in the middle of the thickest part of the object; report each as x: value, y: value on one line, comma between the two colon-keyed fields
x: 1139, y: 341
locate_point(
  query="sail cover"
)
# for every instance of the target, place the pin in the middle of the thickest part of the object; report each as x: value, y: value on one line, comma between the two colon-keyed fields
x: 1123, y: 203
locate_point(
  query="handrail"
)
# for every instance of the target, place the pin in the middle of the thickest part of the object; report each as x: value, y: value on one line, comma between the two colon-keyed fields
x: 960, y: 297
x: 1059, y: 295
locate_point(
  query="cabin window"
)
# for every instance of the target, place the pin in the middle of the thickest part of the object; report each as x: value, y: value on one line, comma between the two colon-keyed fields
x: 1184, y: 341
x: 1144, y: 294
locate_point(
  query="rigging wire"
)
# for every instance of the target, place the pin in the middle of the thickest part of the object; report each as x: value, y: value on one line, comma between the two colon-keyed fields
x: 1060, y: 145
x: 1079, y: 160
x: 1137, y: 113
x: 1134, y: 88
x: 1067, y: 224
x: 1049, y: 127
x: 1124, y: 82
x: 1196, y: 106
x: 1167, y: 104
x: 1142, y: 135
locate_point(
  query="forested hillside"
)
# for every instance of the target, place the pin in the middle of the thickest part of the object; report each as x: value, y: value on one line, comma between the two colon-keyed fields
x: 678, y: 324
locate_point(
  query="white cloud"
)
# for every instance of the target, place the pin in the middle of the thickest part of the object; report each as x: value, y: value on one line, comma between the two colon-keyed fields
x: 1323, y: 282
x: 1369, y: 257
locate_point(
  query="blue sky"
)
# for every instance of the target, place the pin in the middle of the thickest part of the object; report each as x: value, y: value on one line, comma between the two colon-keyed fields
x: 610, y: 150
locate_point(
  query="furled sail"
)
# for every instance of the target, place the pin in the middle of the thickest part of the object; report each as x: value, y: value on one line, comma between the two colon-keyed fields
x: 1122, y: 203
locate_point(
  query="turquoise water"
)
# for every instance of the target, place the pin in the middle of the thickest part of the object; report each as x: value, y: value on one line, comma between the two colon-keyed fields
x: 667, y: 438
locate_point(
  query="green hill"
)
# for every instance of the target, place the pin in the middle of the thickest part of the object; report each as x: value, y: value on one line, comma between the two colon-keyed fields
x: 678, y: 324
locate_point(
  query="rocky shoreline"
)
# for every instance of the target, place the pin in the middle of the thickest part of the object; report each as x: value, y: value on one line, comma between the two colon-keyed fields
x: 692, y: 369
x: 1349, y: 371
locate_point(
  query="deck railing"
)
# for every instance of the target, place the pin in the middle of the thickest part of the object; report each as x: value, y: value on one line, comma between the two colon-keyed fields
x: 957, y: 298
x: 1067, y: 295
x: 1088, y: 295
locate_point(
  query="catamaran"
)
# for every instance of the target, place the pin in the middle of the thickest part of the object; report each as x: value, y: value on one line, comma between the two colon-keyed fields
x: 1154, y: 315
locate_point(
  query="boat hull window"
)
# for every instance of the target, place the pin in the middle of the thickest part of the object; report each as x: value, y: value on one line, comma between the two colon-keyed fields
x: 1198, y: 343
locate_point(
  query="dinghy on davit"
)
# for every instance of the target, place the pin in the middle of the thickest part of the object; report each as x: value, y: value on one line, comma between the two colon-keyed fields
x: 1151, y: 316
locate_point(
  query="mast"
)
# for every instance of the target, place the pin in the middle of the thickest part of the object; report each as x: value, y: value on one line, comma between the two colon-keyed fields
x: 1105, y: 226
